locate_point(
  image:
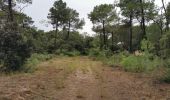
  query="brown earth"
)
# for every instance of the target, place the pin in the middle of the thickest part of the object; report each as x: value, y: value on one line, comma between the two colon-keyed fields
x: 80, y: 78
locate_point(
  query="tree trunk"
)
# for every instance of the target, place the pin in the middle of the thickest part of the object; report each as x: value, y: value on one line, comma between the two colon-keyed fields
x: 56, y: 33
x: 143, y: 20
x: 68, y: 33
x: 104, y: 34
x: 131, y: 32
x: 161, y: 28
x: 10, y: 15
x: 166, y: 16
x: 112, y: 42
x: 101, y: 42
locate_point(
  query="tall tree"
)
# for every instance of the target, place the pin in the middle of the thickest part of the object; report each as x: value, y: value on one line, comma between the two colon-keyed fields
x: 11, y: 18
x: 128, y: 9
x: 167, y: 14
x: 10, y: 8
x: 73, y: 21
x: 57, y: 16
x: 143, y: 26
x: 101, y: 16
x: 14, y: 47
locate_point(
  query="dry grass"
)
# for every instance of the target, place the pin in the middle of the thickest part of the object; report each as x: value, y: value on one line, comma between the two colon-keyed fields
x: 65, y: 78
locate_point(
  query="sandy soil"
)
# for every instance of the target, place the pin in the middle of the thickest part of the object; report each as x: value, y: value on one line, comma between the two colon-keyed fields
x: 80, y: 78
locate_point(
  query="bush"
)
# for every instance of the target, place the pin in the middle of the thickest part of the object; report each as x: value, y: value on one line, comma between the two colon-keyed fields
x: 164, y: 45
x: 117, y: 58
x: 133, y: 64
x: 72, y: 53
x: 167, y: 63
x: 65, y: 52
x: 166, y: 76
x: 94, y: 52
x: 36, y: 59
x: 100, y: 54
x: 14, y: 50
x: 142, y: 63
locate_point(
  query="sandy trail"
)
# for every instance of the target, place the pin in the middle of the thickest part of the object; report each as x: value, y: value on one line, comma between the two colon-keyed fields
x: 80, y: 78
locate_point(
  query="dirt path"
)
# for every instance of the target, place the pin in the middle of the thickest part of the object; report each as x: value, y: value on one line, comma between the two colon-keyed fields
x: 80, y: 78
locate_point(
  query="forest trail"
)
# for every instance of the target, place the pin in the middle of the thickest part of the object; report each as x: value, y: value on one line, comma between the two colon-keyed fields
x: 80, y: 78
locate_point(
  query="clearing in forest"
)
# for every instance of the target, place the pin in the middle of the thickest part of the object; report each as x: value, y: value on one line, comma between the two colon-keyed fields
x: 80, y: 78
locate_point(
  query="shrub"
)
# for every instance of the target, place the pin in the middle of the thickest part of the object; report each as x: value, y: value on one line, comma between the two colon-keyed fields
x: 100, y: 54
x: 115, y: 59
x: 133, y: 64
x: 94, y: 52
x: 14, y: 50
x: 164, y: 45
x: 65, y: 52
x: 72, y: 53
x: 167, y: 63
x: 34, y: 60
x: 166, y: 76
x: 142, y: 63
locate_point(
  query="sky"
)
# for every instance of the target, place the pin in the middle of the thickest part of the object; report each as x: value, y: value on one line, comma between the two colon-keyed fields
x: 39, y: 10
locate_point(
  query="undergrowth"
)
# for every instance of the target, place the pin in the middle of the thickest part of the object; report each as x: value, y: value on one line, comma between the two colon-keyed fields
x: 35, y: 59
x: 145, y: 63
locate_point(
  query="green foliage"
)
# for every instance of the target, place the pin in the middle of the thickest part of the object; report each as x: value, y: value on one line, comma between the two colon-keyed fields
x: 15, y: 47
x: 102, y: 12
x: 142, y: 63
x: 116, y: 59
x: 64, y: 17
x: 128, y: 6
x: 35, y: 59
x: 103, y: 17
x: 165, y: 45
x: 70, y: 53
x: 57, y: 13
x: 100, y: 54
x: 13, y: 54
x: 167, y: 63
x: 166, y: 76
x: 73, y: 20
x: 94, y: 52
x: 147, y: 46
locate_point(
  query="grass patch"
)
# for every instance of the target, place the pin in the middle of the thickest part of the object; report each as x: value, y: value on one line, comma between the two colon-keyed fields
x: 34, y: 60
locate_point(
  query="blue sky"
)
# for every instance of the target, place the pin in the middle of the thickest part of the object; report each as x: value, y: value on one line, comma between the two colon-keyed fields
x: 40, y: 8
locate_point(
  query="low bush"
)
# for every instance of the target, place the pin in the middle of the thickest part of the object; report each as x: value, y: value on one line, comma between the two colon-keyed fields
x: 34, y: 60
x: 166, y: 76
x: 167, y: 63
x: 94, y: 52
x: 115, y: 60
x: 100, y: 54
x: 142, y: 63
x: 134, y: 64
x: 72, y: 53
x: 65, y: 52
x: 129, y: 62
